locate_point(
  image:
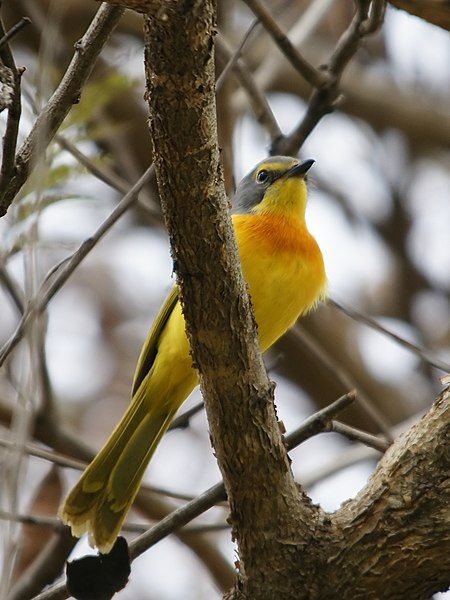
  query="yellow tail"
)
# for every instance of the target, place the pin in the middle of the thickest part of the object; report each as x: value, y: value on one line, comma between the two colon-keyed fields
x: 101, y: 499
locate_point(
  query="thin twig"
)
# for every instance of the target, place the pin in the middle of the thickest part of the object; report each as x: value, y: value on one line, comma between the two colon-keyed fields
x: 325, y: 98
x: 319, y: 421
x: 183, y: 515
x: 51, y: 287
x: 354, y: 434
x: 182, y: 421
x: 258, y: 102
x: 12, y: 288
x: 15, y: 29
x: 354, y: 455
x: 109, y: 177
x: 14, y: 112
x: 345, y: 378
x: 63, y: 460
x: 67, y: 93
x: 316, y: 78
x: 422, y: 353
x: 236, y: 55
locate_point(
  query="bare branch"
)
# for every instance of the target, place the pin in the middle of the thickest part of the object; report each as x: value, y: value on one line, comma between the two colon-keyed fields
x: 370, y: 96
x: 326, y: 96
x: 355, y: 454
x: 316, y: 78
x: 57, y: 108
x: 358, y: 435
x: 50, y: 287
x: 258, y: 102
x: 214, y: 495
x: 319, y: 421
x: 15, y: 29
x: 14, y: 105
x: 422, y: 353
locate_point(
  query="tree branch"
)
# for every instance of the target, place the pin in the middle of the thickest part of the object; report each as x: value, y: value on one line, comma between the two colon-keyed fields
x: 53, y: 283
x: 313, y: 76
x: 424, y: 354
x: 57, y: 108
x: 258, y: 102
x: 15, y: 29
x: 246, y: 436
x: 316, y: 423
x: 393, y: 538
x: 367, y: 18
x: 11, y: 99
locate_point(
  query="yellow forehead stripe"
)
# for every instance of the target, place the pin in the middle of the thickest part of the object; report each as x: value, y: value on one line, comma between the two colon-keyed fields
x: 274, y: 166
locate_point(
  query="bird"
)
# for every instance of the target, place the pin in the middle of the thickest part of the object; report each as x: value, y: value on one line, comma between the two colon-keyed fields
x: 283, y: 267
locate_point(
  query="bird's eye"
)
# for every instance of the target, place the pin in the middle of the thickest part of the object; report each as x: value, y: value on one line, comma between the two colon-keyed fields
x: 262, y: 176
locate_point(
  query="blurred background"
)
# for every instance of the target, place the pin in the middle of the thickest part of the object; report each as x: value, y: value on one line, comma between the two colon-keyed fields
x: 379, y: 208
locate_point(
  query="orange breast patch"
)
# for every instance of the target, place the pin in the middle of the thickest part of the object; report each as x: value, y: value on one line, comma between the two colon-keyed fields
x: 277, y: 234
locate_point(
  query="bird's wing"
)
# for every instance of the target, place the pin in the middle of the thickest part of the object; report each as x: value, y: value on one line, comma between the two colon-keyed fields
x: 150, y: 347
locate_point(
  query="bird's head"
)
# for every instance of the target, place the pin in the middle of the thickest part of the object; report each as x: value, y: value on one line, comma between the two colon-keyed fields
x: 275, y: 185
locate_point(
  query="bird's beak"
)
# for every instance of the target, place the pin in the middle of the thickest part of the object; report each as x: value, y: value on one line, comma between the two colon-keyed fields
x: 301, y: 169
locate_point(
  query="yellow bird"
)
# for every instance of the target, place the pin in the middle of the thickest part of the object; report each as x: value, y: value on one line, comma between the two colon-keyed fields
x: 283, y: 267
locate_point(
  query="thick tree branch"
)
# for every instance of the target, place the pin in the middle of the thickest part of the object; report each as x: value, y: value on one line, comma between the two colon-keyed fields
x: 316, y: 423
x: 394, y: 537
x: 246, y: 436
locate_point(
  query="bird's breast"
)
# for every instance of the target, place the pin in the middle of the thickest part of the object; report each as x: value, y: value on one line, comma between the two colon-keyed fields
x: 284, y: 270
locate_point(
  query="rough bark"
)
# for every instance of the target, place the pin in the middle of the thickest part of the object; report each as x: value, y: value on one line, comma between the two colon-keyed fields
x: 394, y: 537
x: 434, y: 11
x: 269, y: 516
x: 288, y: 548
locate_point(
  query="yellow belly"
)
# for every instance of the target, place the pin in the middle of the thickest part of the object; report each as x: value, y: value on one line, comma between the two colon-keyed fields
x: 284, y: 283
x: 286, y: 277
